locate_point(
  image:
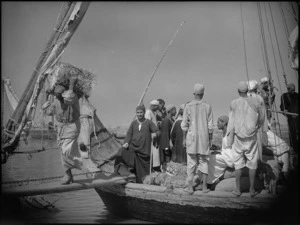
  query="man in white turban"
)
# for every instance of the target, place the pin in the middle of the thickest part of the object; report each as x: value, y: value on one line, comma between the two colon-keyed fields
x: 252, y: 92
x: 197, y: 126
x: 151, y: 115
x: 266, y: 91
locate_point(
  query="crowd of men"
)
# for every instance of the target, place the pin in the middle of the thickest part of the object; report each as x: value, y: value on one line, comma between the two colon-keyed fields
x: 165, y: 135
x: 162, y: 134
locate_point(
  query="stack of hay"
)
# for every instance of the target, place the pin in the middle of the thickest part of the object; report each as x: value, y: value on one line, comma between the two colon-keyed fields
x: 85, y: 79
x: 174, y: 176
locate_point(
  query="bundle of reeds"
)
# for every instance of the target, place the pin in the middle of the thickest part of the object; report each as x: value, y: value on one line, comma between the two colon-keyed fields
x: 85, y: 79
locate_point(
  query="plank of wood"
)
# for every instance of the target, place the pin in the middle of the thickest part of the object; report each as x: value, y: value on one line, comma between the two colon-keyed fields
x: 56, y: 187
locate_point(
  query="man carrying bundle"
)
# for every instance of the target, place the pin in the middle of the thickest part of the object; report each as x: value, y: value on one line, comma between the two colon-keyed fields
x: 197, y: 125
x: 66, y: 110
x: 151, y: 115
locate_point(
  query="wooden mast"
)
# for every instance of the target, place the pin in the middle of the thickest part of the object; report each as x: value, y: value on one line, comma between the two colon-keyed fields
x: 67, y: 24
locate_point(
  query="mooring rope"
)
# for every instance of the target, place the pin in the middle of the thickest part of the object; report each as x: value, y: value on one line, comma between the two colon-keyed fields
x: 52, y: 178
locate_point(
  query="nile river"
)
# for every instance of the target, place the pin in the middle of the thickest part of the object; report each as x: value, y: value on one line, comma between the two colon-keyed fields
x: 70, y: 207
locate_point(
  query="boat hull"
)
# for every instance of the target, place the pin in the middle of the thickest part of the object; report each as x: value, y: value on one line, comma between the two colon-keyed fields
x: 162, y: 205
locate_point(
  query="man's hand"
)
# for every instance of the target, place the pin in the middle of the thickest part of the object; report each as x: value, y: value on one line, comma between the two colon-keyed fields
x: 125, y: 145
x: 184, y: 143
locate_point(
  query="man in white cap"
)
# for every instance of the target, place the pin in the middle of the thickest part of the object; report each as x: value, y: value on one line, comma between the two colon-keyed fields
x: 266, y: 91
x: 164, y: 141
x: 252, y: 92
x: 151, y: 115
x: 245, y: 118
x: 67, y: 116
x: 197, y: 126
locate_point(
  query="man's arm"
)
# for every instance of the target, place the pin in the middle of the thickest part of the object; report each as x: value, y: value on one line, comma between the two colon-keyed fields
x: 210, y: 125
x: 128, y: 136
x: 184, y: 126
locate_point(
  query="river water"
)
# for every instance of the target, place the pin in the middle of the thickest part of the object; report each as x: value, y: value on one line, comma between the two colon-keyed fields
x: 70, y: 207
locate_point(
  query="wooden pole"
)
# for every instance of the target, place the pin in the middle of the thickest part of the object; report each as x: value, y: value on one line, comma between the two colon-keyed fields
x: 143, y: 95
x: 282, y: 112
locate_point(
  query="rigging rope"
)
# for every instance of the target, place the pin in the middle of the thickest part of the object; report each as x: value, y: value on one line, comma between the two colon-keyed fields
x: 275, y: 62
x: 286, y: 32
x: 263, y: 40
x: 284, y: 75
x: 245, y: 55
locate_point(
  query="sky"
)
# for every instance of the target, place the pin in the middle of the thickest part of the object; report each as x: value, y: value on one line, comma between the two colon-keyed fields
x: 123, y: 42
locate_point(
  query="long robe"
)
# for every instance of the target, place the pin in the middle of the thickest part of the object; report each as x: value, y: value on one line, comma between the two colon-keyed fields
x: 155, y: 151
x: 164, y: 141
x: 291, y: 104
x: 139, y: 151
x: 178, y: 151
x: 67, y: 117
x: 198, y: 122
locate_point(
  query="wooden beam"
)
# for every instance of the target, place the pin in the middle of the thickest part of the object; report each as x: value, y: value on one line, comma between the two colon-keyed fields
x: 287, y: 113
x: 56, y: 187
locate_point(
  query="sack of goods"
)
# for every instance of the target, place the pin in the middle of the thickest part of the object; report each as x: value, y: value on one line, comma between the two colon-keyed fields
x: 62, y: 72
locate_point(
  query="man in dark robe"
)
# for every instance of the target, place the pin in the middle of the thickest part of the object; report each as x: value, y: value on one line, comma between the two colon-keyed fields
x: 164, y: 141
x: 289, y: 103
x: 136, y: 150
x: 178, y: 150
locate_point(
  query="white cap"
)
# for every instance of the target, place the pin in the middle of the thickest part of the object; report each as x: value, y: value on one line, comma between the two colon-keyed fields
x: 154, y: 102
x: 252, y: 85
x: 198, y: 89
x: 264, y: 79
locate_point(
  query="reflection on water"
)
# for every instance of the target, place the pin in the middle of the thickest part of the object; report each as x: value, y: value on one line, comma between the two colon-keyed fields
x: 72, y: 207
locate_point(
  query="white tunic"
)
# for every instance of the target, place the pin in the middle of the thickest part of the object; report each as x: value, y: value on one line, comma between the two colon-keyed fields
x: 198, y: 122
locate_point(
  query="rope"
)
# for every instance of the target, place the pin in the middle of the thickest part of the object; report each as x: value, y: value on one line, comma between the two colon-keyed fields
x: 52, y: 178
x: 143, y: 95
x: 263, y: 39
x: 245, y: 55
x: 277, y: 73
x: 294, y: 15
x: 284, y: 75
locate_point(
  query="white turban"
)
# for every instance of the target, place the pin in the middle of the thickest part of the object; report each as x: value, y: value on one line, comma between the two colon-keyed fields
x: 264, y: 79
x: 252, y: 85
x: 170, y: 107
x: 198, y: 89
x: 154, y: 102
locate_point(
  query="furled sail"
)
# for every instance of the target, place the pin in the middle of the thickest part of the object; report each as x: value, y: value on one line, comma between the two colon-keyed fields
x: 67, y: 24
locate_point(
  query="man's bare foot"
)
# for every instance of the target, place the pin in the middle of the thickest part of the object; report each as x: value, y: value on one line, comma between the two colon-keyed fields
x: 236, y: 193
x: 205, y: 190
x: 253, y: 194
